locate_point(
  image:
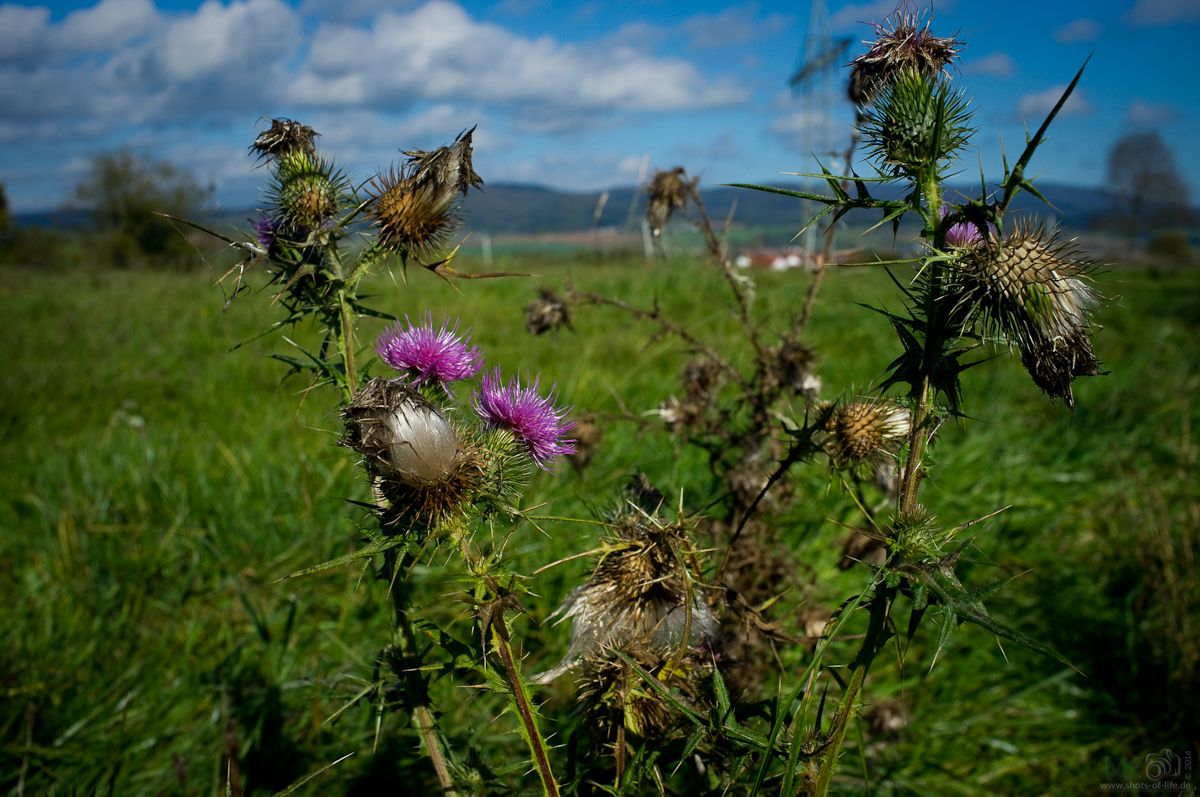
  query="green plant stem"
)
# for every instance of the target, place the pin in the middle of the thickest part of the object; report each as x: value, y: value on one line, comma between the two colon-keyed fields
x: 877, y: 635
x: 345, y: 341
x: 910, y: 483
x: 521, y: 702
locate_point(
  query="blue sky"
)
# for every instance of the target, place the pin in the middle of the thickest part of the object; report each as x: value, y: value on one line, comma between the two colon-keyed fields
x: 570, y: 95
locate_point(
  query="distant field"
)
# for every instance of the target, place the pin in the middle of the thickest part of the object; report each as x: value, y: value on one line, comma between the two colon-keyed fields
x: 154, y: 486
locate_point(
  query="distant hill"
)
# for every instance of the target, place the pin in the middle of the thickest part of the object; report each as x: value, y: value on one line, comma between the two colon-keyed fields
x: 528, y: 209
x: 502, y: 208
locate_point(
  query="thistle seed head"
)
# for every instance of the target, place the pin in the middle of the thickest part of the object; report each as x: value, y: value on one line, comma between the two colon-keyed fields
x: 668, y: 192
x: 1033, y: 290
x: 865, y: 432
x: 637, y: 593
x: 424, y: 469
x: 402, y: 436
x: 284, y: 136
x: 547, y: 312
x: 902, y: 42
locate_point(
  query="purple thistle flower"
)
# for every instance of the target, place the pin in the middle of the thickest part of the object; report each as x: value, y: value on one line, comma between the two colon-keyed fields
x: 532, y: 418
x: 427, y: 354
x: 266, y: 229
x: 964, y: 233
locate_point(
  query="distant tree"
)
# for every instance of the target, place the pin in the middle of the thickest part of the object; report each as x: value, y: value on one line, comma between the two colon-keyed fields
x: 5, y: 216
x: 1142, y: 170
x: 123, y: 191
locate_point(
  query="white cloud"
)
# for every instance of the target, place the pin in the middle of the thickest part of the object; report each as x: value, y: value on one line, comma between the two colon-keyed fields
x: 1078, y: 30
x: 1150, y: 114
x: 106, y: 26
x: 993, y: 65
x: 571, y: 170
x: 22, y: 31
x: 1037, y: 104
x: 734, y: 25
x: 1163, y: 12
x: 439, y: 53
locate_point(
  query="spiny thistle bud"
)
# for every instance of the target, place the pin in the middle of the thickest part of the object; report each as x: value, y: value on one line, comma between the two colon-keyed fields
x: 424, y: 469
x: 428, y: 355
x: 539, y: 426
x: 864, y: 432
x: 307, y: 191
x: 414, y: 206
x: 547, y: 312
x: 901, y: 43
x: 1032, y: 289
x: 637, y: 593
x: 284, y: 136
x: 916, y: 122
x: 668, y: 192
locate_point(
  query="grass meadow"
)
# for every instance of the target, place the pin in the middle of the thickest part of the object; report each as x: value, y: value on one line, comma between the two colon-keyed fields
x: 155, y: 487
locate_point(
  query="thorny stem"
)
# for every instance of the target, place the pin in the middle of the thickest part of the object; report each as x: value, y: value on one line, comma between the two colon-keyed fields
x: 346, y: 342
x: 533, y: 736
x: 492, y: 617
x: 906, y: 502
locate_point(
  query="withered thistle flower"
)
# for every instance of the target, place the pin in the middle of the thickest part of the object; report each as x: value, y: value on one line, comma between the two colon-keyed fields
x: 284, y: 136
x: 1032, y: 289
x: 422, y: 466
x: 865, y: 432
x: 668, y: 192
x: 414, y: 206
x: 588, y: 434
x: 638, y: 594
x: 614, y: 695
x: 901, y: 43
x: 534, y: 421
x: 791, y: 366
x: 426, y: 354
x: 547, y: 312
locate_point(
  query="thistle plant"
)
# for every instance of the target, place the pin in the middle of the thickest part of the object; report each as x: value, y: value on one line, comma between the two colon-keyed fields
x: 440, y: 466
x: 980, y: 279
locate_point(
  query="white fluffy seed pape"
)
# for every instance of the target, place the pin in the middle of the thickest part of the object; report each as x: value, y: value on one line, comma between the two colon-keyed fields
x: 423, y: 445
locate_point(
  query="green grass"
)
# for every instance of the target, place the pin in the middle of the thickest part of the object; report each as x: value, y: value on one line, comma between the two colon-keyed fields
x: 156, y: 486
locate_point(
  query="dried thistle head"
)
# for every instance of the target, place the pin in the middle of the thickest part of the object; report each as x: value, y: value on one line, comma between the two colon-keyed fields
x: 640, y: 592
x: 668, y: 192
x: 791, y: 365
x: 547, y: 312
x: 865, y: 432
x: 422, y: 466
x: 414, y: 206
x: 1033, y: 290
x: 902, y: 42
x: 284, y: 136
x: 615, y: 695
